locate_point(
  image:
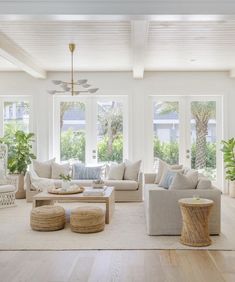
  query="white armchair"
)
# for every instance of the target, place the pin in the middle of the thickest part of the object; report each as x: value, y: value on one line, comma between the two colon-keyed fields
x: 7, y: 184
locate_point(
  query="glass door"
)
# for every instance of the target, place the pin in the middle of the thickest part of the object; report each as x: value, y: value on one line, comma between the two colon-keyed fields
x: 204, y: 136
x: 188, y: 130
x: 90, y: 129
x: 166, y: 131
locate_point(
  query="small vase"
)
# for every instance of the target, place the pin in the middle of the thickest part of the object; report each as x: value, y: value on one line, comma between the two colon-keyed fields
x: 65, y: 185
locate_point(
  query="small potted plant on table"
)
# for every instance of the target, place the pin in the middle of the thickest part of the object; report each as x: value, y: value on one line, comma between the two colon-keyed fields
x: 229, y: 160
x: 66, y: 181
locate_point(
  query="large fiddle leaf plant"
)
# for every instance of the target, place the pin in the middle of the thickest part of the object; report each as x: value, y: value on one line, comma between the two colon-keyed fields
x: 229, y: 158
x: 20, y: 152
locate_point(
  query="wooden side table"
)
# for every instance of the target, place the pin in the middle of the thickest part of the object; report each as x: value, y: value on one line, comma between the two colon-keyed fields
x: 195, y: 214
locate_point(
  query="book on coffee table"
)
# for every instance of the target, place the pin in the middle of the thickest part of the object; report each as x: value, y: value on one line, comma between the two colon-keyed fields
x: 94, y: 192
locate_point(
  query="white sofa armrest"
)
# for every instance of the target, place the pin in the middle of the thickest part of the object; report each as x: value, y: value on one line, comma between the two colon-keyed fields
x: 149, y: 178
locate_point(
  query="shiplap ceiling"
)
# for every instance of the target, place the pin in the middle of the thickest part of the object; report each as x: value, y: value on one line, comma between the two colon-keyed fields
x: 124, y: 45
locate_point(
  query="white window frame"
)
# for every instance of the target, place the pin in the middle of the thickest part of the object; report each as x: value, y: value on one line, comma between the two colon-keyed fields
x: 16, y: 98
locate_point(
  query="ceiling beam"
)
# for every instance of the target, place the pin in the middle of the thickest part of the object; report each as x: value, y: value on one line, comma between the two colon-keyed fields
x: 139, y: 33
x: 17, y: 56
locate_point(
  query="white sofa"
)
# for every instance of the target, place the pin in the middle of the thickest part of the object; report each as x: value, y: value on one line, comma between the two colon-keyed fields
x: 163, y: 216
x: 125, y: 190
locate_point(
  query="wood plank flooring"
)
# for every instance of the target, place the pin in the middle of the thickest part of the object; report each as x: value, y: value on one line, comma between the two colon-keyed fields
x: 149, y: 265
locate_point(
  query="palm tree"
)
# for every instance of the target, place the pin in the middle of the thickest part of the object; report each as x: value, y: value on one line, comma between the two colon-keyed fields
x: 202, y: 112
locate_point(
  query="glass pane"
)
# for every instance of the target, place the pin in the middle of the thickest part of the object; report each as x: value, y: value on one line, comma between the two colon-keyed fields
x: 72, y: 131
x: 16, y: 117
x: 110, y: 131
x: 166, y: 132
x: 203, y: 137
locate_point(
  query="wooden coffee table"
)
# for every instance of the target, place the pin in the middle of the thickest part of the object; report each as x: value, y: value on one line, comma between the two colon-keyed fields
x: 45, y: 198
x: 195, y: 214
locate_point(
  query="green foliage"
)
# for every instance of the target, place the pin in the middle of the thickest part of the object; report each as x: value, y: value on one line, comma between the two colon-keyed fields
x: 72, y: 145
x: 169, y: 152
x: 117, y: 149
x: 229, y: 158
x: 19, y: 150
x: 65, y: 177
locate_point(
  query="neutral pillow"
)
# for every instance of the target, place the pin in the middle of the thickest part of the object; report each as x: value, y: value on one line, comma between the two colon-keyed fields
x: 132, y: 170
x: 43, y: 169
x: 162, y: 166
x: 167, y: 178
x: 80, y: 171
x: 183, y: 182
x: 116, y: 171
x: 57, y: 169
x: 204, y: 183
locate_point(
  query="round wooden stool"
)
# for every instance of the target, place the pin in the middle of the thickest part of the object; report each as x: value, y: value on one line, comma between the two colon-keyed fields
x: 47, y: 218
x: 195, y: 214
x: 87, y: 219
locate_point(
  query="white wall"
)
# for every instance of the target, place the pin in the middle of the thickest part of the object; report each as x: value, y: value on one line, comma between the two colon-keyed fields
x: 122, y: 83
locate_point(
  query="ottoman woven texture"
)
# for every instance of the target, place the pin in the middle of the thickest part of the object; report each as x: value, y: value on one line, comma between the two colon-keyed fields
x: 47, y: 218
x: 87, y: 219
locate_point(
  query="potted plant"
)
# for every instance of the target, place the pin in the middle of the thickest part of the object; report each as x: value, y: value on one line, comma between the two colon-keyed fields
x: 229, y: 160
x: 66, y: 181
x: 20, y: 155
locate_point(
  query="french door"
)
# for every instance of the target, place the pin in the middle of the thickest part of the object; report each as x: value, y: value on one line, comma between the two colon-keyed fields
x: 90, y: 129
x: 188, y: 130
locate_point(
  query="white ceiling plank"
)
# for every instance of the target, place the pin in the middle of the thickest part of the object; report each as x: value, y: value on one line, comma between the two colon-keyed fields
x: 17, y: 56
x: 139, y: 34
x: 116, y: 7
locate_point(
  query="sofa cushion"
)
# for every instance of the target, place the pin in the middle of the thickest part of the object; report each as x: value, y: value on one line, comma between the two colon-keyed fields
x: 43, y: 169
x: 167, y: 178
x: 182, y: 182
x: 80, y: 171
x: 116, y: 171
x: 132, y: 170
x: 204, y: 183
x: 57, y: 169
x: 161, y: 168
x: 122, y: 185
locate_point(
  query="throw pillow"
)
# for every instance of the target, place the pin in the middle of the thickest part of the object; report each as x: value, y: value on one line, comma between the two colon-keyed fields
x: 183, y: 182
x: 162, y: 166
x: 204, y: 183
x: 116, y: 172
x: 57, y: 169
x: 43, y: 169
x: 80, y: 171
x: 132, y: 170
x: 167, y: 178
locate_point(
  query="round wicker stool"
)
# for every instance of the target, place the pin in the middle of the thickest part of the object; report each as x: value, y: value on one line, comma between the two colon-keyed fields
x: 87, y: 219
x: 47, y: 218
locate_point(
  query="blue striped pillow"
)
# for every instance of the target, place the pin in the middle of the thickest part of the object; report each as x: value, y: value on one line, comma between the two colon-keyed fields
x: 167, y: 179
x: 80, y: 171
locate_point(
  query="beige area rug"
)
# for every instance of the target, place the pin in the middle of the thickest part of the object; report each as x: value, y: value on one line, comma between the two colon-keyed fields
x: 127, y: 230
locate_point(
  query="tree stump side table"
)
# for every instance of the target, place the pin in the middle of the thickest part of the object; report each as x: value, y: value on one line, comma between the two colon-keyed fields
x: 195, y: 214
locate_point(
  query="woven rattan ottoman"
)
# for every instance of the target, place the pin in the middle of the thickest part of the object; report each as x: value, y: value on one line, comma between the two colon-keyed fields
x: 47, y: 218
x: 87, y: 219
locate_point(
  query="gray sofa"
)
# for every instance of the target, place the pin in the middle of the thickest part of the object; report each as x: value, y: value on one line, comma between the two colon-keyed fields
x: 125, y: 190
x: 163, y: 216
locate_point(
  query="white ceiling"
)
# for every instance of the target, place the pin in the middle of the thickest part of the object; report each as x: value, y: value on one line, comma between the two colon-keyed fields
x: 109, y: 45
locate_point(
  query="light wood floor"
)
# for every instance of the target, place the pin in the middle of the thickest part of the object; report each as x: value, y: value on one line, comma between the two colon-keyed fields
x: 58, y: 266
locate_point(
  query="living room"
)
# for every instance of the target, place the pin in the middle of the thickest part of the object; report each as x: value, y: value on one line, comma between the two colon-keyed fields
x: 117, y: 141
